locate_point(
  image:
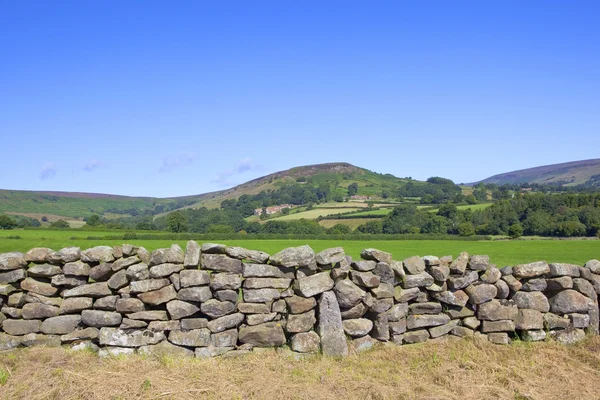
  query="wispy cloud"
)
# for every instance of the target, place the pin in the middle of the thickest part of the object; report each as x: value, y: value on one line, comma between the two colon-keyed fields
x: 223, y: 179
x: 92, y: 165
x: 173, y: 162
x: 48, y: 171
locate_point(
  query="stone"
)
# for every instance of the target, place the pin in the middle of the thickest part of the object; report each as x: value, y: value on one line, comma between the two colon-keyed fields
x: 560, y: 269
x: 160, y: 326
x: 553, y: 321
x: 128, y: 323
x: 101, y: 272
x: 115, y: 352
x: 261, y: 295
x: 244, y: 254
x: 330, y: 256
x: 195, y: 293
x: 297, y: 323
x: 38, y: 255
x: 496, y: 311
x: 226, y: 338
x: 76, y: 268
x: 192, y: 338
x: 313, y: 285
x: 365, y: 279
x: 348, y: 293
x: 568, y: 336
x: 159, y: 296
x: 513, y: 283
x: 425, y: 308
x: 299, y: 305
x: 439, y: 272
x: 80, y: 334
x: 16, y: 299
x: 35, y: 286
x: 431, y: 261
x: 357, y: 327
x: 68, y: 281
x: 414, y: 265
x: 438, y: 331
x: 534, y: 285
x: 137, y: 272
x: 12, y: 312
x: 569, y: 301
x: 211, y: 351
x: 382, y: 305
x: 215, y: 308
x: 585, y: 288
x: 68, y: 254
x: 480, y: 292
x: 381, y: 327
x: 385, y: 273
x: 123, y: 263
x: 255, y: 319
x: 355, y: 312
x: 533, y: 336
x: 479, y: 263
x: 155, y: 315
x: 579, y: 320
x: 497, y: 326
x: 397, y: 312
x: 213, y: 248
x: 227, y: 295
x: 330, y: 328
x: 225, y: 281
x: 593, y: 265
x: 191, y: 258
x: 20, y: 326
x: 180, y: 309
x: 193, y: 277
x: 38, y: 311
x: 383, y: 291
x: 60, y: 325
x: 36, y: 339
x: 425, y: 321
x: 306, y: 342
x: 460, y: 282
x: 269, y: 334
x: 12, y: 276
x: 118, y: 280
x: 376, y: 255
x: 471, y: 323
x: 532, y: 300
x: 267, y: 271
x: 144, y: 255
x: 405, y: 295
x: 585, y: 273
x: 503, y: 289
x: 422, y: 279
x: 44, y: 271
x: 121, y: 338
x: 98, y: 254
x: 193, y: 323
x: 12, y: 260
x: 98, y: 319
x: 555, y: 284
x: 224, y: 323
x: 302, y: 256
x: 531, y: 270
x: 418, y: 336
x: 397, y: 327
x: 459, y: 266
x: 462, y: 331
x: 255, y: 308
x: 491, y: 275
x: 499, y: 338
x: 279, y: 306
x: 529, y: 320
x: 98, y: 289
x: 164, y: 270
x: 130, y: 305
x: 221, y: 263
x: 165, y: 348
x: 457, y: 298
x: 172, y: 255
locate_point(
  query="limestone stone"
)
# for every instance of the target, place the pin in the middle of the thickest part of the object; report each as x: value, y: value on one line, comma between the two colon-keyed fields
x: 330, y: 256
x: 128, y: 323
x: 532, y: 300
x: 137, y: 272
x: 497, y: 326
x: 529, y: 320
x: 37, y: 339
x: 381, y: 327
x: 261, y: 295
x: 44, y: 271
x: 38, y: 311
x: 16, y: 299
x: 397, y: 327
x: 193, y: 277
x: 76, y: 268
x: 20, y: 326
x: 313, y: 285
x: 479, y: 263
x: 491, y: 275
x: 195, y: 293
x: 98, y: 254
x: 405, y: 295
x: 159, y: 296
x: 385, y: 273
x: 68, y: 281
x: 457, y: 298
x: 561, y: 283
x: 553, y: 321
x: 98, y: 289
x: 462, y: 331
x: 302, y: 256
x: 101, y: 272
x: 306, y: 342
x: 164, y: 270
x: 144, y: 255
x: 192, y: 338
x: 36, y: 286
x: 226, y: 338
x: 98, y: 319
x: 244, y: 254
x: 471, y: 323
x: 348, y: 293
x: 533, y: 336
x: 579, y: 320
x: 279, y: 306
x: 330, y: 328
x: 180, y: 309
x: 480, y: 292
x: 584, y: 287
x: 397, y: 312
x: 161, y: 326
x: 297, y: 323
x: 560, y: 269
x: 365, y: 279
x: 38, y: 255
x: 568, y: 336
x: 154, y: 315
x: 534, y: 285
x: 267, y: 271
x: 418, y: 336
x: 255, y: 308
x: 264, y: 335
x: 165, y: 348
x: 376, y: 255
x: 357, y: 327
x: 503, y: 289
x: 130, y: 305
x: 383, y: 291
x: 438, y: 331
x: 496, y: 311
x: 425, y: 321
x: 355, y: 312
x: 9, y: 342
x: 226, y: 322
x: 569, y: 301
x: 422, y: 279
x: 172, y: 255
x: 12, y: 260
x: 414, y: 265
x: 531, y: 270
x: 459, y: 265
x: 80, y: 334
x: 193, y: 323
x: 431, y: 261
x: 68, y: 254
x: 513, y: 283
x: 110, y: 351
x: 439, y: 272
x: 121, y: 338
x: 593, y: 265
x: 299, y: 305
x: 60, y: 325
x: 456, y: 282
x: 221, y: 263
x: 215, y: 308
x: 425, y: 308
x: 256, y: 319
x: 499, y: 338
x: 12, y: 276
x: 191, y: 257
x: 227, y: 295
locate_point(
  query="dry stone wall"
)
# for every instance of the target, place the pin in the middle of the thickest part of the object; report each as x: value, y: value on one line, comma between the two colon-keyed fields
x: 214, y: 300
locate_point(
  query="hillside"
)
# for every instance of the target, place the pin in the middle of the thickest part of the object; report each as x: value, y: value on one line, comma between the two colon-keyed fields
x: 585, y: 172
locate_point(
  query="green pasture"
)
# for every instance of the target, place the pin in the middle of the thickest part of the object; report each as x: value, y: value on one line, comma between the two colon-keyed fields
x: 313, y: 214
x: 382, y: 212
x: 501, y: 252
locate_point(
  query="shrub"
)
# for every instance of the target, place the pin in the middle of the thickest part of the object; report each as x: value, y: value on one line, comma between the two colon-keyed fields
x: 515, y: 231
x: 130, y: 236
x: 466, y: 229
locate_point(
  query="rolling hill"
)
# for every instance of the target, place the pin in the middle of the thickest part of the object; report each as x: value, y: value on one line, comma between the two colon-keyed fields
x: 585, y: 172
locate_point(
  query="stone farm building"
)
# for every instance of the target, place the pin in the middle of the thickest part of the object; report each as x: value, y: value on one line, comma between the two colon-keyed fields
x: 271, y: 210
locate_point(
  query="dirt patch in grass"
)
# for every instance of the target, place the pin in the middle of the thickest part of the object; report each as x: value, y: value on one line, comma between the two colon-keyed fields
x: 453, y: 370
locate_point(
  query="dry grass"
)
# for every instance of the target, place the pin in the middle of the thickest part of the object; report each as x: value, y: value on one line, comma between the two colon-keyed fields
x: 453, y: 370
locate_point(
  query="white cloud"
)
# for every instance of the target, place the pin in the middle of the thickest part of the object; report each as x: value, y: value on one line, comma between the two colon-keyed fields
x: 173, y: 162
x: 48, y: 171
x: 222, y: 179
x: 92, y: 165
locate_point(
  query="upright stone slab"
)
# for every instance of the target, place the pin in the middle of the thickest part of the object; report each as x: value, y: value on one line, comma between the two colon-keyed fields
x: 331, y: 330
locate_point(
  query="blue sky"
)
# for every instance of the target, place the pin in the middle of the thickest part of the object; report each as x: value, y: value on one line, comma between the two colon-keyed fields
x: 165, y: 98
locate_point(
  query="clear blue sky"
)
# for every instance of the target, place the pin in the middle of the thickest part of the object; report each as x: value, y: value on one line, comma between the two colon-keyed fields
x: 175, y: 98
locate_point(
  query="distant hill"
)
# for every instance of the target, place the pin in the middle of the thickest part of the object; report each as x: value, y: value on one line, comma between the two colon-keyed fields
x: 586, y: 172
x: 76, y: 206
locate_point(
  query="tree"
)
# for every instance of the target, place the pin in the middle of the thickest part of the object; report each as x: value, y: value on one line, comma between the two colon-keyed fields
x: 7, y: 222
x: 339, y: 229
x: 352, y: 189
x: 60, y: 224
x: 515, y: 230
x: 263, y: 213
x: 176, y: 222
x: 93, y: 220
x: 466, y: 229
x: 44, y: 219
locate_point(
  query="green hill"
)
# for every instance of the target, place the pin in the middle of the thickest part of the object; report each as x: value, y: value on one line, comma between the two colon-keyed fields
x: 585, y: 172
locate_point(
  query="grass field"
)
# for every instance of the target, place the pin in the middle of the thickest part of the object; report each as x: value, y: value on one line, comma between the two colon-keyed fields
x: 352, y: 223
x: 501, y: 252
x: 313, y: 214
x: 457, y: 370
x: 382, y: 212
